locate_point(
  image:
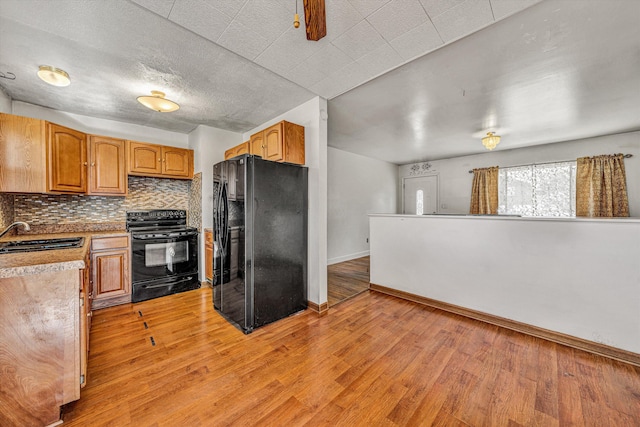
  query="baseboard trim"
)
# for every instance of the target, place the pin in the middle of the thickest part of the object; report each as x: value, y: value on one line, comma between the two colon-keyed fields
x: 322, y: 309
x: 557, y: 337
x: 349, y: 257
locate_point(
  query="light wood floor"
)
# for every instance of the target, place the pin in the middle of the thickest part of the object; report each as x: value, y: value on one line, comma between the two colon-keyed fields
x: 374, y: 360
x: 347, y: 279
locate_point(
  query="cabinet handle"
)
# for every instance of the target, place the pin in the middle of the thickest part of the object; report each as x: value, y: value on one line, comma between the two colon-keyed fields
x: 159, y: 160
x: 93, y: 164
x: 85, y: 163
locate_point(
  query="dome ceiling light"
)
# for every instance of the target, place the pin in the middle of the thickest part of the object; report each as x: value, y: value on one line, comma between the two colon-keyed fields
x: 157, y: 102
x: 54, y: 76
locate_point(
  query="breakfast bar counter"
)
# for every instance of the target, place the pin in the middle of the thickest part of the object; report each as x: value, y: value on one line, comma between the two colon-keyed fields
x: 576, y: 281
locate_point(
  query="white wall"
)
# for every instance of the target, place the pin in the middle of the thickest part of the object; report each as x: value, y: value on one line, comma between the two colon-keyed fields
x: 103, y: 127
x: 5, y: 102
x: 357, y: 187
x: 209, y: 145
x: 574, y: 276
x: 313, y: 116
x: 455, y: 179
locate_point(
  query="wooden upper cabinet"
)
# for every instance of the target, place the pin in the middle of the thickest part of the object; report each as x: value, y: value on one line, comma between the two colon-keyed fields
x: 273, y: 149
x: 282, y: 142
x: 107, y: 168
x: 237, y: 150
x: 256, y: 144
x: 144, y: 158
x: 23, y: 155
x: 67, y: 160
x: 177, y: 162
x: 159, y: 161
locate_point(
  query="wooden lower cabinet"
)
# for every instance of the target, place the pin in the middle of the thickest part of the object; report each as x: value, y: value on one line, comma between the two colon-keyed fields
x: 110, y: 266
x: 41, y: 330
x: 85, y: 318
x: 208, y: 255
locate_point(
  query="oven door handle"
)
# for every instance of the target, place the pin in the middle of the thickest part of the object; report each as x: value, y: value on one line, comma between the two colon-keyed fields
x: 160, y: 236
x: 165, y: 284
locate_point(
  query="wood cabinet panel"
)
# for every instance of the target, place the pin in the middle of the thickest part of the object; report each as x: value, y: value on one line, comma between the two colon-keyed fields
x: 256, y: 144
x: 237, y: 150
x: 282, y: 142
x: 23, y: 154
x: 144, y: 158
x: 111, y: 272
x: 111, y: 242
x: 85, y: 319
x: 159, y: 161
x: 273, y: 149
x: 107, y: 168
x: 41, y: 371
x: 208, y: 255
x: 67, y: 159
x: 177, y: 162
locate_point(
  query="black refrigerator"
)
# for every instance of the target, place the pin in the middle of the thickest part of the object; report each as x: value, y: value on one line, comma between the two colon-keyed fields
x: 260, y: 232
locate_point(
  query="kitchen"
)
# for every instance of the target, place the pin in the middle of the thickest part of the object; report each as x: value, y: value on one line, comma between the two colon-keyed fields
x: 210, y: 143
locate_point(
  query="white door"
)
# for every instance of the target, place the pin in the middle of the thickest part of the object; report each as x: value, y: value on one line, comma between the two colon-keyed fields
x: 420, y: 195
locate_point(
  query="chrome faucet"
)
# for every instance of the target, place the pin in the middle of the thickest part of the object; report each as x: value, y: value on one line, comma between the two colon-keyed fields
x: 24, y: 225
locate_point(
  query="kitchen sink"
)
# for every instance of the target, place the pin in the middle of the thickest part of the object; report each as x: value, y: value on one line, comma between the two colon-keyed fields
x: 40, y: 244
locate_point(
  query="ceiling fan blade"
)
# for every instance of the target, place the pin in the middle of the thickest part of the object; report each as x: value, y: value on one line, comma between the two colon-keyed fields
x: 315, y: 19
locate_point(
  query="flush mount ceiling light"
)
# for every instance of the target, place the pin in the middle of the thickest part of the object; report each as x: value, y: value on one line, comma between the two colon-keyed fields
x: 490, y: 141
x: 54, y: 76
x: 157, y: 102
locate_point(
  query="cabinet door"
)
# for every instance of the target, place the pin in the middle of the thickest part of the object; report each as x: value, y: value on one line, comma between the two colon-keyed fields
x: 67, y: 159
x: 237, y: 150
x: 293, y: 143
x: 273, y: 143
x: 176, y: 162
x: 107, y: 169
x: 144, y: 159
x: 23, y: 155
x: 111, y: 284
x: 208, y: 256
x: 85, y: 325
x: 256, y: 144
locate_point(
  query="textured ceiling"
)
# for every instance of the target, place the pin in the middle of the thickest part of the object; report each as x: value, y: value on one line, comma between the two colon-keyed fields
x: 558, y: 71
x: 231, y: 64
x: 538, y: 71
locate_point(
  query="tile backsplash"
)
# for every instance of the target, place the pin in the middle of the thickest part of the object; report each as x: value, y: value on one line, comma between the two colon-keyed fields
x: 6, y: 210
x: 195, y: 202
x: 144, y: 193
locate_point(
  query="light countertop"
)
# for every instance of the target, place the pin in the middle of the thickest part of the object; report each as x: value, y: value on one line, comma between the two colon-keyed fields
x: 27, y: 263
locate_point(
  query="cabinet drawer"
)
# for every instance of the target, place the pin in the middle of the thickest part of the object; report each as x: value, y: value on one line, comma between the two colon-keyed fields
x: 100, y: 243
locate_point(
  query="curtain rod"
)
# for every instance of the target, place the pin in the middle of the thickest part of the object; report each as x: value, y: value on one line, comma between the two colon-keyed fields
x: 626, y: 156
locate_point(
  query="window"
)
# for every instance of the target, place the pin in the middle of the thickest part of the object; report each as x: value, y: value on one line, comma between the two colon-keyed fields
x: 546, y: 190
x: 419, y: 202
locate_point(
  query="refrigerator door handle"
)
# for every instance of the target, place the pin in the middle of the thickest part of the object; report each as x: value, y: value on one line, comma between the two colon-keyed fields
x: 216, y: 219
x: 224, y: 221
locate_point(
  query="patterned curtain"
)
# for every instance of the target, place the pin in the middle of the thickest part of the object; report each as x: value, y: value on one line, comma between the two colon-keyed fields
x: 484, y: 191
x: 601, y: 187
